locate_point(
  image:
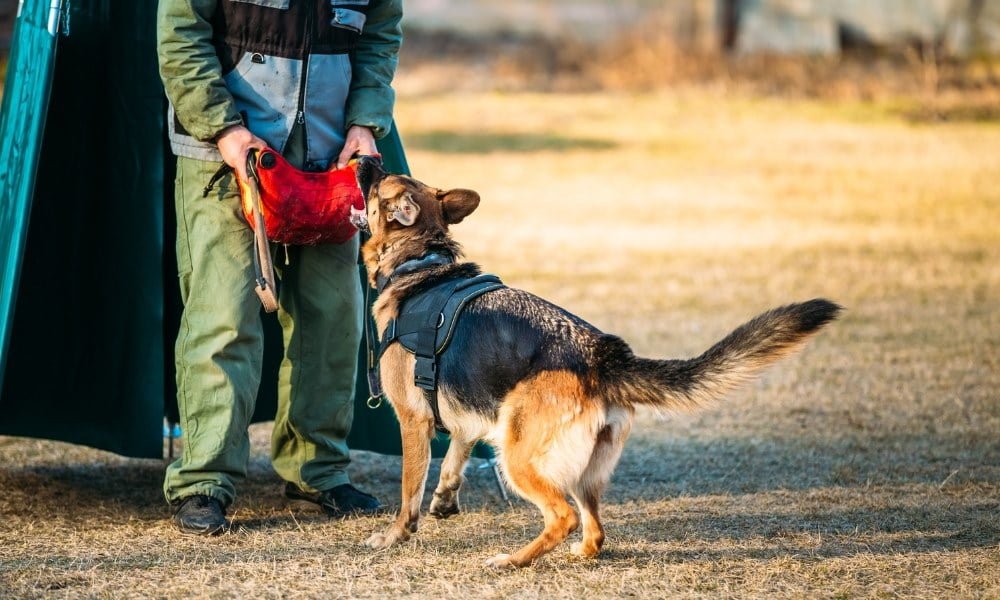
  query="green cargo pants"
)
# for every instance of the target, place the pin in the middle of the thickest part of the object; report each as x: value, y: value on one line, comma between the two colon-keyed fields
x: 220, y: 346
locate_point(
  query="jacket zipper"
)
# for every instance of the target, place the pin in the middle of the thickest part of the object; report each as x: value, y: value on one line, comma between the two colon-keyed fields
x: 300, y: 118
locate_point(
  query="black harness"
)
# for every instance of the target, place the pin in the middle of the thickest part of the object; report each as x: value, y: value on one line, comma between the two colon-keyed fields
x: 425, y: 325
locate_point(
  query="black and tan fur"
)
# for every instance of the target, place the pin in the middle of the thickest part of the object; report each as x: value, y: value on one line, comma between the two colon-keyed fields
x: 553, y: 395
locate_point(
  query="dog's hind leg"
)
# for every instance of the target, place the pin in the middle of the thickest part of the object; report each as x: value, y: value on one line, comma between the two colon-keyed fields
x: 416, y: 433
x: 593, y: 531
x: 445, y: 502
x: 560, y: 519
x: 548, y: 426
x: 587, y: 492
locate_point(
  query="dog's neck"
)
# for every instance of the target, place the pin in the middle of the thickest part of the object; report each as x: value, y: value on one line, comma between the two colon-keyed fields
x: 427, y: 261
x: 383, y: 258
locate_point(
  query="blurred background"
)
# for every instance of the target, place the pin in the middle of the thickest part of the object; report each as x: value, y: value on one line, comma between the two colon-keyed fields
x: 598, y: 44
x: 838, y: 48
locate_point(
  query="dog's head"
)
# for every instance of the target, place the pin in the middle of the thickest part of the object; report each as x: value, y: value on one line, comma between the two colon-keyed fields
x: 406, y: 218
x: 396, y: 203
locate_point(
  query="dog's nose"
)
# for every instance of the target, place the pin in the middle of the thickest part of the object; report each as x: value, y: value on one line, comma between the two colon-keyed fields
x: 369, y: 173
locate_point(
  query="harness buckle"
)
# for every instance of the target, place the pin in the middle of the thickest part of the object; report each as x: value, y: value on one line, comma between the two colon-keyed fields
x: 425, y: 373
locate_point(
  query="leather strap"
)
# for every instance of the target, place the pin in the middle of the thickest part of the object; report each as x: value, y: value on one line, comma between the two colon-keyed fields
x: 262, y: 264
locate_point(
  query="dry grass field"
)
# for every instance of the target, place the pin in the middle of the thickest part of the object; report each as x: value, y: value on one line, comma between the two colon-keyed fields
x: 867, y: 466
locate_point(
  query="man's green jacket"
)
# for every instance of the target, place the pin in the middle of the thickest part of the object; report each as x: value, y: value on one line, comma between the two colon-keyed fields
x: 273, y: 64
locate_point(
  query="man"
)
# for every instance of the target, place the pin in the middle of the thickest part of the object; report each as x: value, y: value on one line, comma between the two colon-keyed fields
x: 310, y: 78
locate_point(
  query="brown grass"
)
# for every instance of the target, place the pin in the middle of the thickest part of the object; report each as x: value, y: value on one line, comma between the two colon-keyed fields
x: 867, y: 466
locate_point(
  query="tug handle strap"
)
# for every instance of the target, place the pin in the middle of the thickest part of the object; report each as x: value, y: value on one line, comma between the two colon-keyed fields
x: 262, y: 264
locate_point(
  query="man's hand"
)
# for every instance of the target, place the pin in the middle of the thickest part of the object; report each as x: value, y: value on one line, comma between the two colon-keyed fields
x: 234, y: 143
x: 359, y: 140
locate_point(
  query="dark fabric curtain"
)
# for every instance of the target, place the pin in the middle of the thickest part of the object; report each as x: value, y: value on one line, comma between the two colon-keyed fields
x: 86, y: 353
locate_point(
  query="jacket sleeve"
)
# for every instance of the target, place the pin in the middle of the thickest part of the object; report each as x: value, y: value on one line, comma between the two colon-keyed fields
x: 190, y: 69
x: 371, y: 98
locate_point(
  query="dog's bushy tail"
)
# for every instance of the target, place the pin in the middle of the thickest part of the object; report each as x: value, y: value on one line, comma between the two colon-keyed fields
x: 629, y: 380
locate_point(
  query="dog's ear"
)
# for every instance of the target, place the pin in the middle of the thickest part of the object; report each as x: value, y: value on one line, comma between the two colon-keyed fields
x: 403, y: 210
x: 457, y: 204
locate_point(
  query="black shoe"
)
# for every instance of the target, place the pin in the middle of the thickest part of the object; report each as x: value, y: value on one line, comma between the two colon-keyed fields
x: 200, y: 515
x: 342, y: 501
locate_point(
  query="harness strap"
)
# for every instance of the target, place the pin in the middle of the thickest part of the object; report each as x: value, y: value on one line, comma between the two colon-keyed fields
x: 425, y: 371
x: 425, y: 324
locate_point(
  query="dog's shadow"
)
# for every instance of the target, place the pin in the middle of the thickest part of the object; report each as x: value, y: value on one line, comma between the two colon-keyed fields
x: 826, y: 498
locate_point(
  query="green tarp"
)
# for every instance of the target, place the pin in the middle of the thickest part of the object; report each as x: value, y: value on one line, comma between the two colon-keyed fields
x: 25, y: 101
x: 86, y: 220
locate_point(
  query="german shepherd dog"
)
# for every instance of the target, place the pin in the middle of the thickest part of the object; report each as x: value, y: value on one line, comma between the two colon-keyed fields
x: 551, y: 393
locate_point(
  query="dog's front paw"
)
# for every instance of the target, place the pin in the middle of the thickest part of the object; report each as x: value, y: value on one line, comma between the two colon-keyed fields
x: 443, y: 507
x: 381, y: 541
x: 584, y: 550
x: 500, y: 561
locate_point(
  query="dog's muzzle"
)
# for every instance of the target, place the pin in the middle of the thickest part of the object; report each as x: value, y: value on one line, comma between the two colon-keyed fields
x: 369, y: 172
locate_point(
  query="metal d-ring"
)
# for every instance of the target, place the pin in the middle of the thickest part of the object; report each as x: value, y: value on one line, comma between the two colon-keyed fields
x: 374, y: 402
